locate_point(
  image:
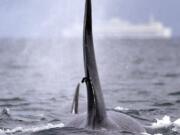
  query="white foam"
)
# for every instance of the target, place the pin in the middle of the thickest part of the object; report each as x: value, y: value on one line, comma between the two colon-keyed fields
x: 177, y: 123
x: 31, y: 129
x: 1, y: 132
x: 145, y: 133
x: 165, y: 122
x: 150, y: 134
x: 176, y: 126
x: 118, y: 108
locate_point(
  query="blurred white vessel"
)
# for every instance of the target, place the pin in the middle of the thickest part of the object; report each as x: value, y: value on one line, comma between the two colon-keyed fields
x: 123, y: 29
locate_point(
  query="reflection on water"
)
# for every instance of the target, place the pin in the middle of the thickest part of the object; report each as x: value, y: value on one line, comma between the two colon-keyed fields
x: 38, y: 79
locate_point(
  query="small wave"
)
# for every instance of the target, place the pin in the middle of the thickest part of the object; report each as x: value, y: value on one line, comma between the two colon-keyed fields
x: 5, y: 115
x: 118, y: 108
x: 31, y: 129
x: 159, y: 83
x: 177, y: 93
x: 5, y: 112
x: 163, y: 104
x: 177, y: 101
x: 14, y: 104
x: 11, y: 99
x: 149, y: 110
x: 134, y: 101
x: 172, y: 75
x: 16, y: 66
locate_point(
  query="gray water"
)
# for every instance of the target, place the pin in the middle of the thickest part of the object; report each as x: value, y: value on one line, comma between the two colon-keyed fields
x: 38, y: 80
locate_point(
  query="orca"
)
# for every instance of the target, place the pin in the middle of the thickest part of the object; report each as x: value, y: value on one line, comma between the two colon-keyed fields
x: 96, y: 117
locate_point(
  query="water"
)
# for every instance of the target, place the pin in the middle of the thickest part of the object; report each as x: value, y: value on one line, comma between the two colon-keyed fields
x: 38, y: 79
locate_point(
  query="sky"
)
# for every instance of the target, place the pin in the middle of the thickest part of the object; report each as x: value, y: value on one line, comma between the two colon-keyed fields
x: 38, y: 18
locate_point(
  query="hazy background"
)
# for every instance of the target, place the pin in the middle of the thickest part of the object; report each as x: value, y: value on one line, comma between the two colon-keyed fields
x: 47, y: 18
x: 38, y: 76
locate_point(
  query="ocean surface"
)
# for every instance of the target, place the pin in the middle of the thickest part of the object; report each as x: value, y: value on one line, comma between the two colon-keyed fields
x: 38, y: 79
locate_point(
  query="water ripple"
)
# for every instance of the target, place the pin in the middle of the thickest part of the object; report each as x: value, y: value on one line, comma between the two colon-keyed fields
x: 163, y: 104
x: 177, y: 93
x: 14, y: 99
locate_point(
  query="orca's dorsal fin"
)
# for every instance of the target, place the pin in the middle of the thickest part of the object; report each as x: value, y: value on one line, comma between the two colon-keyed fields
x: 75, y: 104
x: 96, y: 107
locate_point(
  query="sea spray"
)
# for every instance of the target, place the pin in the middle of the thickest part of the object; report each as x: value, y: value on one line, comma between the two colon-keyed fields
x: 31, y: 129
